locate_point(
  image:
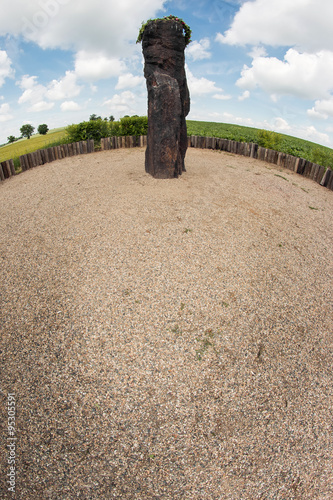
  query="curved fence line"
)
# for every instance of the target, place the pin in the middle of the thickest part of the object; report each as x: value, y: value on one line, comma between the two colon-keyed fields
x: 313, y: 171
x: 318, y: 173
x: 47, y: 155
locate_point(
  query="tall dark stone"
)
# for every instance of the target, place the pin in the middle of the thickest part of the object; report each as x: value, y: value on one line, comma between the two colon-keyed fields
x: 163, y: 46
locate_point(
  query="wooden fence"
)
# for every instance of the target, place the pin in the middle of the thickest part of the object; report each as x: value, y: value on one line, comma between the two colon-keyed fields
x: 123, y: 142
x: 318, y: 173
x: 7, y: 169
x: 48, y: 155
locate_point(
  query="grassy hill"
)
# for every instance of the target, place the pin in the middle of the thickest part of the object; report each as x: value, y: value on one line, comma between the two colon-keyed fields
x: 279, y: 142
x: 37, y: 141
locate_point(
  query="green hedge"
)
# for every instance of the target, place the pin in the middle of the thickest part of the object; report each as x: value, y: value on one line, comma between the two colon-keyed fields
x: 93, y: 129
x: 98, y: 129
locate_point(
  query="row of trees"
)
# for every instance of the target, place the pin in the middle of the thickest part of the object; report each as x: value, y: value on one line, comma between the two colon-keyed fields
x: 94, y: 118
x: 27, y: 131
x: 96, y: 128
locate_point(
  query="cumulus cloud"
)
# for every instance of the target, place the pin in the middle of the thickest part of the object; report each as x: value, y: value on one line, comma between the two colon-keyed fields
x: 38, y: 97
x: 322, y: 109
x: 199, y: 50
x: 281, y: 125
x: 41, y: 106
x: 91, y: 66
x: 122, y: 103
x: 6, y: 70
x: 312, y: 134
x: 64, y: 88
x: 245, y: 95
x: 33, y: 92
x: 129, y: 81
x: 306, y: 25
x: 306, y: 71
x: 5, y: 114
x: 200, y: 86
x: 70, y: 106
x: 91, y: 26
x: 308, y: 76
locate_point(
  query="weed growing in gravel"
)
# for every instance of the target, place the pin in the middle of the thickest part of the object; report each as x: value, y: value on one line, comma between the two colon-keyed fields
x: 187, y: 230
x: 176, y: 330
x: 206, y: 342
x: 278, y: 175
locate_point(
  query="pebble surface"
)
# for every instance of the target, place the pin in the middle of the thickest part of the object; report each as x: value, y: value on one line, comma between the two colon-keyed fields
x: 167, y: 339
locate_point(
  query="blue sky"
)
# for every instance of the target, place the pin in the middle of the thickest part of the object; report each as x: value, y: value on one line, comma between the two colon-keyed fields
x: 261, y: 63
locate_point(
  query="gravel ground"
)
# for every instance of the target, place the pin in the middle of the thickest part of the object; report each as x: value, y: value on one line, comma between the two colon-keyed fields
x: 167, y: 339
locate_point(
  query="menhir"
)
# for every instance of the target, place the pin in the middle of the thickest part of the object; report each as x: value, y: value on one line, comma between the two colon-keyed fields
x: 163, y: 46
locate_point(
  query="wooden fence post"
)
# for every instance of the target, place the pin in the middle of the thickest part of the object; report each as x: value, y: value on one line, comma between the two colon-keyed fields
x: 326, y: 177
x: 12, y: 167
x: 6, y: 169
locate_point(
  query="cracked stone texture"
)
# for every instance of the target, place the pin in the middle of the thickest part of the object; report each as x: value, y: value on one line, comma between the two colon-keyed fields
x: 163, y: 47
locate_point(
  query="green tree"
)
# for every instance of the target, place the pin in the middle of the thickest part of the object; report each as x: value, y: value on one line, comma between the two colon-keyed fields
x: 94, y: 118
x: 11, y: 139
x: 27, y: 130
x: 111, y: 118
x: 43, y: 129
x: 93, y: 129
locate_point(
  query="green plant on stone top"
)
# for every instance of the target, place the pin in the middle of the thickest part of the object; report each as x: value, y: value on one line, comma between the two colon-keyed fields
x: 186, y: 28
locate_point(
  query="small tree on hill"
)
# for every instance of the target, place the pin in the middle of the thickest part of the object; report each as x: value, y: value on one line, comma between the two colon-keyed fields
x: 11, y: 139
x: 43, y: 129
x: 27, y: 130
x: 94, y: 118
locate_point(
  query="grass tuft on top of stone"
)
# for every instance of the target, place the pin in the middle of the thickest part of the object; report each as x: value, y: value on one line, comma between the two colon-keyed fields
x: 186, y: 28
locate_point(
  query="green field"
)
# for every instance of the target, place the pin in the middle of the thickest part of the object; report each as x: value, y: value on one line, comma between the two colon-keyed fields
x: 24, y: 146
x: 280, y: 142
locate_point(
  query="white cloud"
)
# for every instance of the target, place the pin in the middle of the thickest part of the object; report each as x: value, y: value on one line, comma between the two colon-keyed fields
x: 5, y: 114
x: 129, y: 81
x: 258, y: 52
x: 38, y: 96
x: 198, y: 50
x: 308, y: 76
x: 322, y: 109
x: 306, y: 24
x: 313, y: 135
x: 245, y: 95
x: 306, y: 71
x: 41, y: 106
x: 200, y: 86
x: 33, y: 92
x: 89, y: 26
x: 281, y: 125
x: 64, y: 88
x: 93, y: 66
x: 6, y: 70
x: 70, y: 106
x: 122, y: 103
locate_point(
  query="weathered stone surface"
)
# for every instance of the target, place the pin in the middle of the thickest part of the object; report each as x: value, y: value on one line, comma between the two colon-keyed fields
x: 163, y: 47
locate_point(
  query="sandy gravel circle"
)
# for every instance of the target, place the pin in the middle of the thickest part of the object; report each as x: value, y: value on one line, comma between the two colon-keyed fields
x: 167, y: 339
